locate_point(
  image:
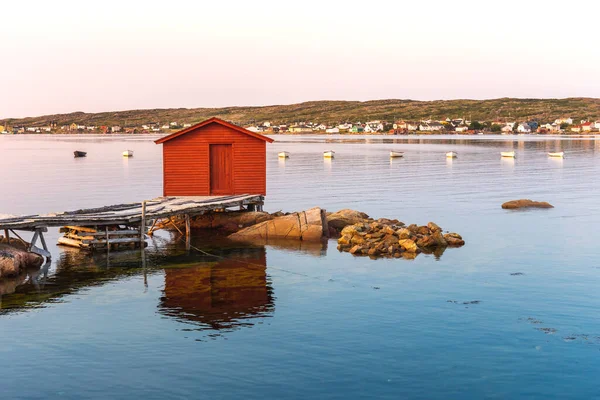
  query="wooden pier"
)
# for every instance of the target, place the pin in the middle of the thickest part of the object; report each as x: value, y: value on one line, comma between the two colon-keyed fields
x: 121, y: 223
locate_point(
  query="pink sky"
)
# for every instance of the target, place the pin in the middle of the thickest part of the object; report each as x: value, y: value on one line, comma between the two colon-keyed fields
x: 64, y: 56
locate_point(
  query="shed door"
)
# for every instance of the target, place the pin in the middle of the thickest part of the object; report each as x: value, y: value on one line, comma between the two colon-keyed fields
x: 221, y: 167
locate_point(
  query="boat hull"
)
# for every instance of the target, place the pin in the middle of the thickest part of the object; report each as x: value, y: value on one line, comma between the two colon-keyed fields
x: 78, y: 154
x: 451, y: 154
x: 283, y: 154
x: 396, y: 154
x: 329, y: 154
x: 558, y: 154
x: 509, y: 154
x: 128, y: 153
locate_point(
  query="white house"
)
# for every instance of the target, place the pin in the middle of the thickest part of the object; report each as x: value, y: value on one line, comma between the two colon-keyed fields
x: 115, y: 128
x: 266, y: 124
x: 164, y: 127
x: 320, y: 127
x: 254, y: 129
x: 559, y: 121
x: 431, y: 127
x: 597, y: 125
x: 332, y: 130
x: 187, y: 125
x: 461, y: 128
x: 506, y: 129
x: 524, y: 128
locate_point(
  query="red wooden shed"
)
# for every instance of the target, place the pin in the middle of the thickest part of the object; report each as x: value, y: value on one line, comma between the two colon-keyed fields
x: 214, y: 158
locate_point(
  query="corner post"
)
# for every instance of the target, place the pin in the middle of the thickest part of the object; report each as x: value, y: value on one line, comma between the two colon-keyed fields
x: 187, y: 232
x: 143, y: 225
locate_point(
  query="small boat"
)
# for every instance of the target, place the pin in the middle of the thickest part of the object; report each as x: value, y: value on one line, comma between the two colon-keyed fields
x: 128, y: 153
x: 283, y: 154
x: 328, y: 154
x: 451, y: 154
x: 78, y: 153
x: 508, y: 154
x: 557, y: 154
x: 394, y: 154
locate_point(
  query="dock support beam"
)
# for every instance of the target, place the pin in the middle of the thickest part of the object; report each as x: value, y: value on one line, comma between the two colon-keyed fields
x: 39, y: 233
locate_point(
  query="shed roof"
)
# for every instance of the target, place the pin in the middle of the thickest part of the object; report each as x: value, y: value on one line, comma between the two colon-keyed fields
x: 216, y: 121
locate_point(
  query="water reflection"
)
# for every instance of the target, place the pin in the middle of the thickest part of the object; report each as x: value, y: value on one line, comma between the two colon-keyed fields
x: 220, y: 295
x: 507, y: 162
x: 222, y: 287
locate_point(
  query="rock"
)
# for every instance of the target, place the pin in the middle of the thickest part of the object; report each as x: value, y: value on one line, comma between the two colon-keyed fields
x: 351, y: 230
x: 373, y: 252
x: 525, y: 203
x: 13, y: 260
x: 356, y: 249
x: 423, y: 230
x: 452, y: 234
x: 454, y: 241
x: 433, y: 227
x: 388, y: 230
x: 425, y: 241
x: 345, y: 240
x: 357, y: 239
x: 438, y: 238
x: 342, y: 218
x: 403, y: 233
x: 413, y: 228
x: 408, y: 245
x: 307, y: 225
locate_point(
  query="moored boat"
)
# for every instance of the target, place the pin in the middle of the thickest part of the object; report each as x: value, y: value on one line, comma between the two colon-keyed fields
x: 557, y: 154
x: 508, y: 154
x: 128, y: 153
x: 451, y: 154
x: 328, y: 154
x: 283, y: 154
x: 394, y: 154
x: 78, y: 153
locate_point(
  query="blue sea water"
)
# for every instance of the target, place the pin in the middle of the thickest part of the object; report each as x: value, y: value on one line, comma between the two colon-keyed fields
x: 512, y: 314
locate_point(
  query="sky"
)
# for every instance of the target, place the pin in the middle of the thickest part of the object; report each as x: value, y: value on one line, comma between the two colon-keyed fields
x: 63, y: 56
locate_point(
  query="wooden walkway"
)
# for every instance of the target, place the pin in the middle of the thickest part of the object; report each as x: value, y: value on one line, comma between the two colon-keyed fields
x: 132, y: 214
x: 128, y: 214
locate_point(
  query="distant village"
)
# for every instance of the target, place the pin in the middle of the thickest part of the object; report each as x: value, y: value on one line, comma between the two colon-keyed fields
x: 447, y: 126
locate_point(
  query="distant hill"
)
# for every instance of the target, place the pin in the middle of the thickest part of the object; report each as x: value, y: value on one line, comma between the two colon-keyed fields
x: 340, y: 111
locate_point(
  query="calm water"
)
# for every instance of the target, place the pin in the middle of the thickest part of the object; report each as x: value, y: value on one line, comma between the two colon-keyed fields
x: 303, y: 321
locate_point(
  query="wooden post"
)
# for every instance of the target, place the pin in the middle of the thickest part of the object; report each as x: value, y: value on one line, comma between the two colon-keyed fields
x: 143, y: 225
x: 107, y: 244
x: 187, y: 232
x: 6, y: 236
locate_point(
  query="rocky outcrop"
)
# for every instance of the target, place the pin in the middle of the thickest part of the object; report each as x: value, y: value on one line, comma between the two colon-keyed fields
x: 525, y: 203
x: 340, y: 219
x: 390, y: 238
x: 310, y: 225
x: 14, y: 260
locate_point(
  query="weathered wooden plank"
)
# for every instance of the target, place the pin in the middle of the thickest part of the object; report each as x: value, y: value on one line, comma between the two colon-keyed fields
x: 71, y: 242
x: 113, y: 241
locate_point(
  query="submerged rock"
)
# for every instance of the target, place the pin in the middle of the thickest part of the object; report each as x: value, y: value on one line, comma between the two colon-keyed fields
x: 525, y: 203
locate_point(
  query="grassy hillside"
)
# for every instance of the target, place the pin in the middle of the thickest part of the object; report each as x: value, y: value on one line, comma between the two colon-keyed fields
x: 341, y: 111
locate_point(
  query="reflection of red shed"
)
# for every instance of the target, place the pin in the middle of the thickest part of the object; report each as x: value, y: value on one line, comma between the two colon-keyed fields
x: 214, y: 157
